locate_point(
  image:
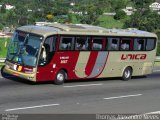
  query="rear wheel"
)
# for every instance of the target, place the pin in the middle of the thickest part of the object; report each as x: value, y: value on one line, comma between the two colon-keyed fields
x: 60, y: 77
x: 127, y: 74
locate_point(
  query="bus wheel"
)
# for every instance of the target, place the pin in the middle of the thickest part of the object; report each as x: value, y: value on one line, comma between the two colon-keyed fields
x: 60, y: 77
x: 2, y: 73
x: 127, y: 74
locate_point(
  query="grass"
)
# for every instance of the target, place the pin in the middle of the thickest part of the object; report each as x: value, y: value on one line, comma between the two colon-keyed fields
x: 110, y: 22
x: 1, y: 64
x: 157, y: 64
x: 3, y: 48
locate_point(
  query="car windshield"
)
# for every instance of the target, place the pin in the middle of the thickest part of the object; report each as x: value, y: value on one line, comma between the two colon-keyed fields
x: 24, y: 48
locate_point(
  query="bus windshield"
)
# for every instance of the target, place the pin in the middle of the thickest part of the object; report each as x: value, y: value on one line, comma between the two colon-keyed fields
x: 24, y: 48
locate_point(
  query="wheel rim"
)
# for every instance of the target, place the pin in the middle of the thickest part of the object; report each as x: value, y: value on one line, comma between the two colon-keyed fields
x: 127, y: 73
x: 60, y: 77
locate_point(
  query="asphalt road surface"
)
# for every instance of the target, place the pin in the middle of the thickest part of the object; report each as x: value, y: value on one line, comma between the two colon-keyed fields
x: 140, y: 95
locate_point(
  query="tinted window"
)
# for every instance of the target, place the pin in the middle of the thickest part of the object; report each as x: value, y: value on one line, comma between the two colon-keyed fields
x: 66, y: 43
x: 97, y: 44
x: 139, y: 44
x: 126, y: 44
x: 82, y: 43
x: 150, y: 44
x: 113, y: 44
x: 51, y: 43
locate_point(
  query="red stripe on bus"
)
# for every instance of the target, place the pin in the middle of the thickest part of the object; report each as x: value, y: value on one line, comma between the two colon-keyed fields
x: 103, y: 66
x: 91, y: 62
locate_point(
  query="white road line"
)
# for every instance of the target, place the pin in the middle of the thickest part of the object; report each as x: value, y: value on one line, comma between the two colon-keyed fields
x: 86, y: 85
x: 157, y: 112
x: 156, y: 70
x: 126, y: 96
x: 39, y: 106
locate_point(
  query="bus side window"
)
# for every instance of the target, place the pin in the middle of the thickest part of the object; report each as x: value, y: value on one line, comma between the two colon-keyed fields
x: 97, y: 44
x: 126, y: 44
x: 139, y: 44
x: 113, y: 44
x: 81, y: 43
x: 66, y: 43
x: 150, y: 44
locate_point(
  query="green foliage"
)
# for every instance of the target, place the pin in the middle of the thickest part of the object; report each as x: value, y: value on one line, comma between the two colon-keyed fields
x: 3, y: 9
x: 142, y: 3
x: 118, y: 4
x: 120, y: 14
x: 90, y: 14
x: 147, y: 20
x: 110, y: 22
x: 1, y: 26
x: 73, y: 18
x: 158, y: 50
x: 3, y: 48
x: 158, y: 33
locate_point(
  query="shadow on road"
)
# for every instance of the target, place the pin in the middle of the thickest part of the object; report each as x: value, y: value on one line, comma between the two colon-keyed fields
x: 23, y: 81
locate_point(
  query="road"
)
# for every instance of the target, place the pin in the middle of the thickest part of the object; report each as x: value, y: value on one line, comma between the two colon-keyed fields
x: 139, y: 95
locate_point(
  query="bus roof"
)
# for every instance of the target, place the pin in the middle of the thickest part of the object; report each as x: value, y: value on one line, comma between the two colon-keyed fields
x: 82, y: 29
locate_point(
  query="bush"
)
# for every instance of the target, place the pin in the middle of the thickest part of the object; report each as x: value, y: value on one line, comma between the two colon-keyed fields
x: 1, y: 26
x: 3, y: 49
x: 120, y: 14
x: 158, y: 50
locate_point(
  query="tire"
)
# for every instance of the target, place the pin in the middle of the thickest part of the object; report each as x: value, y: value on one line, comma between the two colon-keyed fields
x: 2, y: 73
x: 60, y: 77
x: 127, y: 74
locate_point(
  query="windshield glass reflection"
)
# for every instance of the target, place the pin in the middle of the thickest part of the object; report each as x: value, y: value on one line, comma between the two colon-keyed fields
x: 24, y: 48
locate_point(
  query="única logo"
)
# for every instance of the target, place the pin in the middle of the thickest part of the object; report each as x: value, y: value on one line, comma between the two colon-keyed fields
x: 133, y: 56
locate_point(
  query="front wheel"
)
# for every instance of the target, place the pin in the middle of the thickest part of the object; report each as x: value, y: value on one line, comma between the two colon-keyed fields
x: 60, y: 77
x: 127, y: 74
x: 2, y: 72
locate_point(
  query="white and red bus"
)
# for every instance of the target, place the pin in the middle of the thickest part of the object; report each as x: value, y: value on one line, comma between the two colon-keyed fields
x: 58, y: 52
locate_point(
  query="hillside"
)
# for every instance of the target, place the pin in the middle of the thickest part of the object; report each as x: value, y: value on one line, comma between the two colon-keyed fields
x: 81, y: 11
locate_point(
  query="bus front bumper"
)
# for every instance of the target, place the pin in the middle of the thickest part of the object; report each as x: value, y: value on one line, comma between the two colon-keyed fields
x: 30, y: 76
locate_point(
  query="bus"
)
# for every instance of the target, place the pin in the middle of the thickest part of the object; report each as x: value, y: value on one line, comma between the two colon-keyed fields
x: 58, y: 52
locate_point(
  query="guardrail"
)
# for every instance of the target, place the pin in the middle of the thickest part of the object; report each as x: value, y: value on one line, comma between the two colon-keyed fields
x: 157, y: 59
x: 2, y: 60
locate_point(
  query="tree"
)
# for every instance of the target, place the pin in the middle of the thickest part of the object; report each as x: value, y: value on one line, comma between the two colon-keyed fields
x: 144, y: 18
x: 140, y: 4
x: 148, y: 21
x: 120, y: 14
x: 118, y: 4
x: 23, y: 20
x: 10, y: 18
x: 1, y: 26
x: 90, y: 14
x: 3, y: 8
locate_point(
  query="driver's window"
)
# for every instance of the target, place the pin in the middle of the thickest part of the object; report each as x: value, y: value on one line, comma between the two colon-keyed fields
x: 47, y: 51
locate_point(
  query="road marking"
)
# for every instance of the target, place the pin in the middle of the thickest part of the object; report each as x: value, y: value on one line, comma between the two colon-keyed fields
x: 156, y: 70
x: 39, y: 106
x: 86, y: 85
x: 126, y: 96
x: 157, y: 112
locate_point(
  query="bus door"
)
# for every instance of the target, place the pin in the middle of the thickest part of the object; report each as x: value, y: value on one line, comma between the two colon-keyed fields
x: 44, y: 70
